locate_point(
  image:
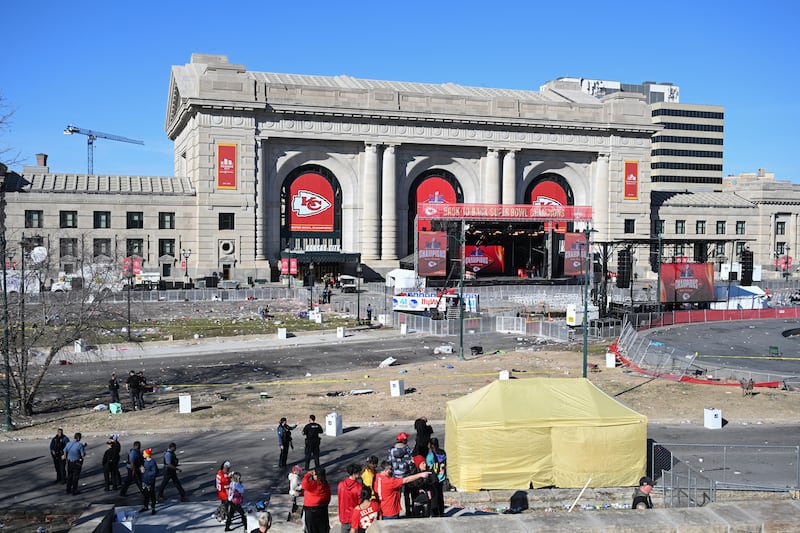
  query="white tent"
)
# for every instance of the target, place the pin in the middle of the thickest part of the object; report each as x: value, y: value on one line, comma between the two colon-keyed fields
x: 403, y: 280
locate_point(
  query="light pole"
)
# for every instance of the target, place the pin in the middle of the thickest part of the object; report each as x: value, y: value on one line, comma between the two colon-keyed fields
x: 658, y: 272
x: 587, y: 233
x: 359, y: 272
x: 786, y: 257
x: 130, y: 288
x: 7, y: 424
x: 462, y: 241
x: 311, y: 267
x: 186, y: 253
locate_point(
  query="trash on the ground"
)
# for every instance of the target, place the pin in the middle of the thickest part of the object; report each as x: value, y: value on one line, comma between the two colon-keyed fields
x: 335, y: 393
x: 100, y: 407
x: 404, y: 371
x: 357, y: 392
x: 389, y: 361
x: 449, y: 366
x: 264, y: 395
x: 308, y: 374
x: 445, y: 348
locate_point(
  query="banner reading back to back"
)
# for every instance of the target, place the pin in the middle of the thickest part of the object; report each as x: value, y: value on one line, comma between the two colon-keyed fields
x: 687, y: 282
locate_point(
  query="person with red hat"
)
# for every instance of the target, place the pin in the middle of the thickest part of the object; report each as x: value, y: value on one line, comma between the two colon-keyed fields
x: 400, y: 457
x: 149, y: 470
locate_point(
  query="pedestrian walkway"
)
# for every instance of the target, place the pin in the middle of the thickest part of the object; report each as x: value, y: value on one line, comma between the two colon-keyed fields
x: 248, y: 343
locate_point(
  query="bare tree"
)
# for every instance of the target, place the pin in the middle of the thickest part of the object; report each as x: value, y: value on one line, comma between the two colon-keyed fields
x: 42, y: 324
x: 7, y: 154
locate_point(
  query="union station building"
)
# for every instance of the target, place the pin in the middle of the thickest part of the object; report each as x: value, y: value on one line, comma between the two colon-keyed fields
x: 276, y: 172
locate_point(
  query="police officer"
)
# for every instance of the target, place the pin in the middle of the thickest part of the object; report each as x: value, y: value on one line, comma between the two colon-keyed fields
x: 57, y: 445
x: 134, y: 465
x: 113, y: 388
x: 171, y: 472
x: 74, y: 452
x: 132, y: 386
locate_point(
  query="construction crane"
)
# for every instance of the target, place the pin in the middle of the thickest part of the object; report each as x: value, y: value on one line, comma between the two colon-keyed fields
x: 91, y: 136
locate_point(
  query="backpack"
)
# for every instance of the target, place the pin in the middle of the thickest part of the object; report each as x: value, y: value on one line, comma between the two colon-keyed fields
x: 237, y: 498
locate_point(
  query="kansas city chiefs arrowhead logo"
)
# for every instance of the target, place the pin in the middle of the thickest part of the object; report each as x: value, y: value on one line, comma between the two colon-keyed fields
x: 307, y: 203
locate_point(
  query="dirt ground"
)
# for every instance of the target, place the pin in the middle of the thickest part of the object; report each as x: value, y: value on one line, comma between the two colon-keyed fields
x: 428, y: 388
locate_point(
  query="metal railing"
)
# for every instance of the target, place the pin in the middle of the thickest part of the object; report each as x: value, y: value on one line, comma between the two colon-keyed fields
x: 721, y: 467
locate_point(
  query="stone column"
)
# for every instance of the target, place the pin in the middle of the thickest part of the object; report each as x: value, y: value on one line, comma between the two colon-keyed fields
x: 369, y: 204
x: 600, y: 205
x: 389, y: 205
x: 510, y: 177
x: 259, y: 210
x: 491, y: 182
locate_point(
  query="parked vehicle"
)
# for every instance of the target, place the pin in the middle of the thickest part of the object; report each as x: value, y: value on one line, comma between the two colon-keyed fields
x: 348, y: 283
x: 14, y: 282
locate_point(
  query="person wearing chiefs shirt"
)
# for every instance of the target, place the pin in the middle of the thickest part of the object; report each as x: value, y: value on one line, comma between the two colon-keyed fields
x: 348, y: 494
x: 388, y: 489
x: 317, y: 496
x: 365, y: 513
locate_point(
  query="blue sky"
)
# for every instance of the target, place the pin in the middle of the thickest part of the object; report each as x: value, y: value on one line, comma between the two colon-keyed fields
x: 105, y: 66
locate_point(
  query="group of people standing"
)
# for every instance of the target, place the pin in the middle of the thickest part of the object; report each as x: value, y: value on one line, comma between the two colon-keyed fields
x: 136, y: 385
x: 68, y: 458
x: 414, y: 479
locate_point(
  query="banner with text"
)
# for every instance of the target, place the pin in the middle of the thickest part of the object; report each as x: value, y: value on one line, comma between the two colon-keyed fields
x: 509, y: 212
x: 575, y: 254
x: 485, y: 259
x: 631, y: 180
x: 687, y: 282
x: 432, y: 260
x: 226, y: 166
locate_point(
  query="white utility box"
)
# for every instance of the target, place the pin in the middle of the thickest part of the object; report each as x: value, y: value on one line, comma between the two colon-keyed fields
x: 185, y: 403
x: 712, y: 418
x: 333, y: 425
x: 397, y: 387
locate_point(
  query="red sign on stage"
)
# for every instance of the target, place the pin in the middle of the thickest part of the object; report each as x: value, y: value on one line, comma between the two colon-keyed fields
x: 485, y: 259
x: 631, y: 191
x: 575, y: 254
x: 432, y: 253
x: 226, y: 166
x: 687, y: 282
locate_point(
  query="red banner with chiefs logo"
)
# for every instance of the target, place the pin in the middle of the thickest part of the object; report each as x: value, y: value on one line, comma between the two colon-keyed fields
x: 687, y: 282
x: 312, y: 204
x: 575, y: 254
x: 550, y: 193
x: 226, y: 166
x: 432, y: 259
x: 631, y: 191
x: 485, y: 259
x: 434, y: 190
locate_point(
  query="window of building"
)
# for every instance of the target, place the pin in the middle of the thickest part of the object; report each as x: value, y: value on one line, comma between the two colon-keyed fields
x: 135, y: 220
x: 660, y: 225
x: 780, y: 228
x: 68, y: 219
x: 68, y: 247
x: 680, y: 227
x: 740, y: 227
x: 680, y: 250
x: 166, y: 220
x: 226, y: 221
x: 720, y: 227
x: 780, y: 248
x: 166, y: 270
x: 739, y: 248
x: 166, y: 247
x: 34, y: 218
x: 102, y: 219
x: 134, y: 247
x: 719, y: 249
x: 700, y: 227
x: 630, y: 225
x: 102, y: 247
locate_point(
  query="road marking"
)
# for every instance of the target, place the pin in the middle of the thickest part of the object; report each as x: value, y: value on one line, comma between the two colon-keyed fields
x: 759, y: 357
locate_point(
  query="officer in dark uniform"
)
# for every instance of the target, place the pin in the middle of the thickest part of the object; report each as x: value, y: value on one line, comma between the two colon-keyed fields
x: 113, y: 388
x: 57, y: 445
x: 171, y: 472
x: 312, y: 432
x: 132, y: 385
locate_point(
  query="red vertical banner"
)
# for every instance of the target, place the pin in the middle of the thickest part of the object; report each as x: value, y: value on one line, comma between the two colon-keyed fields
x: 284, y: 266
x: 312, y: 204
x: 434, y: 190
x: 631, y: 190
x: 432, y: 253
x: 575, y: 251
x: 293, y: 266
x: 226, y: 166
x: 687, y: 282
x: 550, y: 193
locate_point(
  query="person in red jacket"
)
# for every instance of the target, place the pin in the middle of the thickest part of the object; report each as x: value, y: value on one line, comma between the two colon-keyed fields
x: 388, y: 489
x: 349, y: 494
x: 222, y: 483
x: 365, y: 513
x: 317, y: 496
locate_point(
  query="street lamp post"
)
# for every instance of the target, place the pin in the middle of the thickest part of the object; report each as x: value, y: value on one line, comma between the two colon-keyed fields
x: 359, y: 272
x: 462, y: 242
x: 186, y: 253
x: 7, y: 424
x: 786, y: 272
x: 658, y: 272
x: 311, y: 267
x: 587, y: 233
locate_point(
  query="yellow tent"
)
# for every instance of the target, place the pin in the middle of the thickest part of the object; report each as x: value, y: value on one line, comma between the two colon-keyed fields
x: 546, y: 431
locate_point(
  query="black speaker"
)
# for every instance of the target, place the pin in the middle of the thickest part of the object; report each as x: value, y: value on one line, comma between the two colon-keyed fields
x: 624, y: 269
x: 747, y: 267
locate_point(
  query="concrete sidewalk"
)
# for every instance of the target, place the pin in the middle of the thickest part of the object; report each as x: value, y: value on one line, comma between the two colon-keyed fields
x: 249, y: 343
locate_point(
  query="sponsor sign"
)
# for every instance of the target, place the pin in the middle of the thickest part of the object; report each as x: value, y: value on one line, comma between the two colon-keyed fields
x: 631, y: 189
x: 423, y: 301
x: 284, y: 266
x: 432, y: 253
x: 510, y: 212
x: 312, y: 204
x: 485, y: 259
x: 687, y: 282
x: 131, y: 266
x: 575, y: 251
x: 226, y: 166
x: 293, y: 266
